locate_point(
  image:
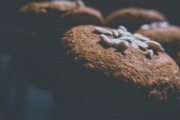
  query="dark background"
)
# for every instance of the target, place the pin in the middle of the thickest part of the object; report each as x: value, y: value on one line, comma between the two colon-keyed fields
x: 22, y: 101
x: 169, y: 7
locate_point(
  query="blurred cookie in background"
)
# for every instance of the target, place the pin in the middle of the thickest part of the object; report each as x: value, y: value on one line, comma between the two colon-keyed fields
x: 132, y: 18
x: 39, y: 21
x: 106, y: 7
x: 58, y: 15
x: 168, y: 8
x: 165, y: 33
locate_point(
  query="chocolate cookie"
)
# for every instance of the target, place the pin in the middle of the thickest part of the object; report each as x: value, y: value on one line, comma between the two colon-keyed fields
x: 164, y: 33
x: 114, y: 68
x: 132, y: 18
x: 58, y: 15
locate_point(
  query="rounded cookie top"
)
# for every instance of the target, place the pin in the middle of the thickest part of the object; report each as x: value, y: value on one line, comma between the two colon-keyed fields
x: 130, y: 58
x: 133, y: 17
x: 59, y: 14
x: 164, y: 33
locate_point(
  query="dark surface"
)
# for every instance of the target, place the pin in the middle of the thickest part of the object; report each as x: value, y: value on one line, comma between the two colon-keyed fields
x: 4, y: 60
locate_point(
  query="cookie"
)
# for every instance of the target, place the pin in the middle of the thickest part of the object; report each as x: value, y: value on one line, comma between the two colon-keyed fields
x: 58, y: 15
x: 132, y: 18
x: 115, y: 69
x: 97, y: 51
x: 164, y: 33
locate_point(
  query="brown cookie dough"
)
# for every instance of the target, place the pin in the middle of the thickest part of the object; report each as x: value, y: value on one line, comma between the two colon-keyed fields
x: 58, y: 15
x: 103, y: 66
x: 132, y: 18
x: 164, y: 33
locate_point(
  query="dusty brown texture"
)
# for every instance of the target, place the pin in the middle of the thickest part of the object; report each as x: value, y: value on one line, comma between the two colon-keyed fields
x: 133, y: 17
x: 133, y: 68
x: 58, y: 15
x: 169, y: 37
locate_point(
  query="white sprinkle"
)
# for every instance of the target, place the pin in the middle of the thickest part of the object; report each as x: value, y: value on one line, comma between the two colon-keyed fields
x: 163, y: 24
x: 124, y: 33
x: 122, y: 28
x: 63, y: 1
x: 106, y: 40
x: 103, y: 31
x: 116, y: 41
x: 155, y: 25
x: 149, y: 54
x: 141, y: 37
x: 123, y: 45
x: 145, y: 27
x: 115, y: 33
x: 141, y: 44
x: 80, y: 3
x: 127, y: 38
x: 134, y: 45
x: 155, y: 46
